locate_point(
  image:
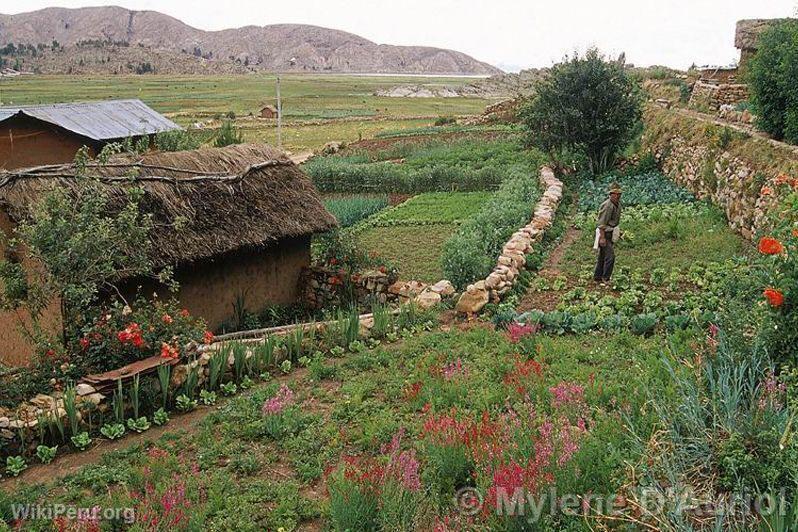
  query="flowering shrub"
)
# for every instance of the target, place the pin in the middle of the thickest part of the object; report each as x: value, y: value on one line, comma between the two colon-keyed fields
x: 520, y: 448
x: 168, y: 500
x: 122, y: 334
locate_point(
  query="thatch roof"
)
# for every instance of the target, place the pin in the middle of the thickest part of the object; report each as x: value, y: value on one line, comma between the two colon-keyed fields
x: 244, y: 196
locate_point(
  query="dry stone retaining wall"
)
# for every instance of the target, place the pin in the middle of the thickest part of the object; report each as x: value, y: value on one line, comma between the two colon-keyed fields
x: 513, y: 257
x: 730, y: 174
x: 716, y: 95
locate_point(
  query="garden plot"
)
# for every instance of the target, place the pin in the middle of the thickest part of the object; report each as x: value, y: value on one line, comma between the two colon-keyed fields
x: 673, y: 259
x: 399, y: 427
x: 411, y: 235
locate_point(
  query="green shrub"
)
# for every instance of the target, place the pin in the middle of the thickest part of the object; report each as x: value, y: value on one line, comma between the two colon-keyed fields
x: 445, y: 120
x: 472, y: 252
x: 228, y: 135
x: 771, y: 79
x: 177, y: 140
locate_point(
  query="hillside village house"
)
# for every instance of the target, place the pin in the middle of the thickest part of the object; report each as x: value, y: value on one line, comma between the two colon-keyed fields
x: 51, y: 134
x: 249, y: 215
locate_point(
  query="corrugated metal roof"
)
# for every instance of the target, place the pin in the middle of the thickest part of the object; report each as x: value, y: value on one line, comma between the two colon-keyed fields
x: 101, y: 120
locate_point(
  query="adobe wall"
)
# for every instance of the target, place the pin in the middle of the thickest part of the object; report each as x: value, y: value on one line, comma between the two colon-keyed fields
x: 15, y: 347
x: 209, y: 289
x: 25, y: 142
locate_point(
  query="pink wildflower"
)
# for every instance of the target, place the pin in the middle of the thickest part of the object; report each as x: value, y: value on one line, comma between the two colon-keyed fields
x: 276, y: 404
x: 517, y: 331
x: 453, y: 369
x: 566, y: 393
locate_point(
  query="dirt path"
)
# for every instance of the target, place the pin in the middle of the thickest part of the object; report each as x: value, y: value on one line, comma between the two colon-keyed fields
x: 548, y: 300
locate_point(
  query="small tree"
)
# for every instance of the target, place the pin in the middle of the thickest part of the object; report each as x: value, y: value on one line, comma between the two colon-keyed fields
x: 587, y: 105
x: 79, y: 247
x: 771, y: 79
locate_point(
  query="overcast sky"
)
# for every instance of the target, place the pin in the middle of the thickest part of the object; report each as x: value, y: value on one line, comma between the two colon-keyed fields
x: 511, y: 34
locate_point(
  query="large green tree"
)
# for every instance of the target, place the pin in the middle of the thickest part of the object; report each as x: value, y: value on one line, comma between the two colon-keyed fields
x: 771, y: 79
x: 586, y: 105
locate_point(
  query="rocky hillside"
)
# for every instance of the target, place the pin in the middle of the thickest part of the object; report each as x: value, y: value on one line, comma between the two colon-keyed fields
x: 279, y: 47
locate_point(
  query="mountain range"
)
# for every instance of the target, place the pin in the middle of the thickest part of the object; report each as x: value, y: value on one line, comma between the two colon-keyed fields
x: 115, y: 40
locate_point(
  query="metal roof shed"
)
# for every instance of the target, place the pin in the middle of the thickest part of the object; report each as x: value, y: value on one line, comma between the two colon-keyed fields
x: 101, y: 120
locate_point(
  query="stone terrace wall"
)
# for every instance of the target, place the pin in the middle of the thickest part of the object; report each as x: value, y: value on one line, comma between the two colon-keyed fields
x: 715, y: 95
x: 735, y: 170
x: 513, y: 257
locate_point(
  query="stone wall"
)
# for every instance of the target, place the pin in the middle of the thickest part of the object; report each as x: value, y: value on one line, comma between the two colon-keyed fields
x: 322, y: 287
x: 713, y: 96
x: 513, y: 257
x: 734, y: 170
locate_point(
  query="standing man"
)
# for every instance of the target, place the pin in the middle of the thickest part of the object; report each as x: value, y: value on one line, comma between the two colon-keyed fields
x: 607, y: 233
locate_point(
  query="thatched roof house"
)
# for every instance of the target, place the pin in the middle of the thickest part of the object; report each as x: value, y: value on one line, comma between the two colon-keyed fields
x: 248, y: 213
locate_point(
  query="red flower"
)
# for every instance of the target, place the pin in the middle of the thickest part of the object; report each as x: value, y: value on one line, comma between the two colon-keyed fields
x: 766, y: 191
x: 774, y: 297
x: 169, y: 351
x: 50, y: 353
x: 167, y: 319
x: 132, y: 335
x: 795, y: 233
x: 208, y: 337
x: 84, y: 343
x: 770, y: 246
x: 184, y: 313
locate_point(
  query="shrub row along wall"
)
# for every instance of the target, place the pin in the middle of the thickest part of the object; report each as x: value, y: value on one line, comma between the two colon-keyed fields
x: 513, y: 257
x: 736, y: 171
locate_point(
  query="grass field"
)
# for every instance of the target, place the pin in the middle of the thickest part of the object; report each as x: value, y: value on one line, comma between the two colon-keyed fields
x: 316, y: 108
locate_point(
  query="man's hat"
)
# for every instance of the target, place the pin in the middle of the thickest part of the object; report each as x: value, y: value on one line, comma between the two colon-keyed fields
x: 615, y: 188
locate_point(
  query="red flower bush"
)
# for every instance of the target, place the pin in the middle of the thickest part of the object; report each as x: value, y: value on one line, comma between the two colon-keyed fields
x: 132, y: 335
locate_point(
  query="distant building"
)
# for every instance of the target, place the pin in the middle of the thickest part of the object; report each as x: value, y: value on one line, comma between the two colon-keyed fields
x: 51, y: 134
x: 268, y: 111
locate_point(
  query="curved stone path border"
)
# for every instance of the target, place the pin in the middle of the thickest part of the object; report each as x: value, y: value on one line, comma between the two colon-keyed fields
x: 513, y: 257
